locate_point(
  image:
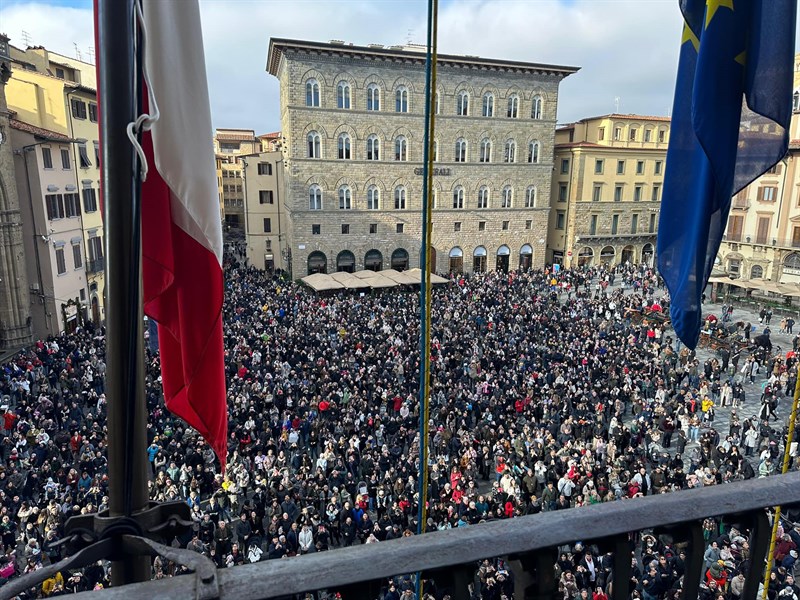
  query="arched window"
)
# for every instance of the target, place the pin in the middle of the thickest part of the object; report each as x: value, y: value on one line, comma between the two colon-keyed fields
x: 399, y: 261
x: 510, y: 151
x: 345, y: 198
x: 530, y: 197
x: 461, y: 150
x: 488, y: 104
x: 536, y: 107
x: 314, y: 198
x: 483, y: 197
x: 373, y: 260
x: 346, y: 261
x: 314, y: 145
x: 436, y: 103
x: 312, y: 92
x: 486, y: 150
x: 373, y: 198
x: 317, y: 262
x: 373, y: 97
x: 462, y: 103
x: 458, y: 197
x: 456, y: 260
x: 796, y: 101
x: 344, y: 146
x: 792, y: 262
x: 533, y: 152
x: 399, y: 198
x: 513, y: 106
x: 343, y: 95
x: 373, y: 148
x: 400, y: 148
x: 756, y: 272
x: 435, y: 198
x: 508, y: 197
x: 401, y: 100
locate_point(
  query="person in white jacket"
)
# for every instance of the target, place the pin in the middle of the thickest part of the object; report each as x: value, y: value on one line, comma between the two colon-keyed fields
x: 306, y: 540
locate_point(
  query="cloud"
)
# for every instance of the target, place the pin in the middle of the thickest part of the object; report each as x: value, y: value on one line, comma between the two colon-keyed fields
x: 626, y: 48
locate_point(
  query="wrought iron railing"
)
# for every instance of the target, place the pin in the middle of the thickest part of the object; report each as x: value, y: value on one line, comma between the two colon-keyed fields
x: 95, y: 265
x: 530, y: 544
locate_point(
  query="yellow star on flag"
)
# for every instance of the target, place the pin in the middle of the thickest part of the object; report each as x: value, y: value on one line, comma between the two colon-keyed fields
x: 713, y: 5
x: 689, y: 36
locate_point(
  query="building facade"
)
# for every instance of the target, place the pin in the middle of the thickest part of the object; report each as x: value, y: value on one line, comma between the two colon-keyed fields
x: 229, y: 146
x: 15, y: 315
x: 352, y: 124
x: 55, y: 136
x: 762, y: 238
x: 607, y: 181
x: 265, y: 211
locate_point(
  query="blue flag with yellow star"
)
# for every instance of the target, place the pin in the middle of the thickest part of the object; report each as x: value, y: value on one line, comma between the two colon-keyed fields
x: 730, y: 122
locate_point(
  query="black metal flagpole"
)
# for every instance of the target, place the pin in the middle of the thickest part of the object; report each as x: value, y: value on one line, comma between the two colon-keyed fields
x: 119, y: 101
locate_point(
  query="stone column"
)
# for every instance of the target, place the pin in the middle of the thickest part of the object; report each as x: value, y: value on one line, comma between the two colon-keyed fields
x: 15, y: 330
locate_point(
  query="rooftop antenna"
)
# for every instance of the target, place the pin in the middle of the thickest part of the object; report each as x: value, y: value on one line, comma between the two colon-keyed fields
x: 77, y: 50
x: 410, y: 36
x: 91, y: 54
x: 26, y: 38
x: 616, y: 104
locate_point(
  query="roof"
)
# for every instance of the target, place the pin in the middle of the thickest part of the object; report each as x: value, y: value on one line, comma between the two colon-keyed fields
x: 628, y: 117
x: 244, y: 136
x: 270, y: 136
x: 39, y: 132
x: 585, y: 145
x: 278, y: 46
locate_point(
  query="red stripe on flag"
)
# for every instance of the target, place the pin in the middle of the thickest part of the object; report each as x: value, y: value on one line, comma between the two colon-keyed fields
x: 183, y: 292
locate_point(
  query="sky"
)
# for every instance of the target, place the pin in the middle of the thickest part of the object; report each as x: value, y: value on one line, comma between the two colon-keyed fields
x: 627, y: 49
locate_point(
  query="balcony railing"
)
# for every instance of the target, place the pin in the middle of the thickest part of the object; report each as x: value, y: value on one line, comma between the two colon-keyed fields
x: 97, y: 265
x: 530, y: 544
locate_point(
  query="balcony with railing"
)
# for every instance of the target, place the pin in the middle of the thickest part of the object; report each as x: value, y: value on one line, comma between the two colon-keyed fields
x: 529, y: 545
x: 95, y: 265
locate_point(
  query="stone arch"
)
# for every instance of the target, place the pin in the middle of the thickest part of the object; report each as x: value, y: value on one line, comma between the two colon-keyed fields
x: 348, y: 182
x: 345, y: 76
x: 374, y: 130
x: 458, y: 182
x: 485, y: 181
x: 404, y: 131
x: 377, y: 80
x: 466, y: 87
x: 537, y: 91
x: 378, y: 183
x: 314, y: 126
x: 349, y: 129
x: 514, y: 89
x: 404, y: 81
x: 313, y: 74
x: 317, y: 180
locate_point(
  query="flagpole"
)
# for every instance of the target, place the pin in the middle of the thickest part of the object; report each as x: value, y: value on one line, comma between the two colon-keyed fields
x: 119, y: 103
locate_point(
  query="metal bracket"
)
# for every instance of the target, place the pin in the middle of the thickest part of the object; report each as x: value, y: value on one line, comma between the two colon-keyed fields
x: 205, y: 571
x: 97, y: 536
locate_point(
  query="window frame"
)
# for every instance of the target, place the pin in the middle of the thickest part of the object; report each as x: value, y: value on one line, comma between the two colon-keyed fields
x: 315, y: 199
x: 313, y: 93
x: 344, y: 95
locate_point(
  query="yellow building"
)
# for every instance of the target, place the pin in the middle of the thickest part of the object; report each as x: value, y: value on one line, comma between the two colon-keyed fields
x: 229, y: 146
x: 266, y: 218
x: 606, y: 192
x: 762, y: 239
x: 58, y: 94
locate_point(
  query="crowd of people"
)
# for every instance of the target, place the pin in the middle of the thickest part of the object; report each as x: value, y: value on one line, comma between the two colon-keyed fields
x: 550, y: 391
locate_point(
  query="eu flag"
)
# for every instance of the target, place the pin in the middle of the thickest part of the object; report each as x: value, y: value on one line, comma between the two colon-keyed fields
x: 730, y: 123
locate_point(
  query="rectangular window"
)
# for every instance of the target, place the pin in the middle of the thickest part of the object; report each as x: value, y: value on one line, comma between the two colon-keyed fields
x: 482, y: 226
x: 399, y: 228
x: 601, y: 133
x: 640, y: 167
x: 47, y: 158
x: 560, y: 219
x: 373, y: 228
x: 637, y: 193
x: 597, y: 193
x: 734, y: 230
x: 528, y: 224
x: 268, y: 245
x: 565, y: 165
x: 648, y: 134
x: 652, y: 227
x: 774, y: 170
x: 345, y: 228
x: 655, y: 196
x: 267, y: 225
x: 593, y: 225
x: 77, y: 256
x: 620, y: 167
x: 265, y: 197
x: 457, y: 226
x: 796, y: 237
x: 734, y: 266
x: 617, y: 134
x: 93, y: 112
x: 618, y: 193
x: 55, y: 206
x: 61, y: 262
x: 89, y: 199
x: 562, y: 192
x: 659, y: 165
x: 762, y: 233
x: 662, y: 135
x: 505, y: 225
x: 315, y: 229
x: 72, y: 204
x: 78, y: 108
x: 632, y: 134
x: 634, y: 223
x: 614, y: 224
x: 65, y: 162
x: 60, y: 73
x: 598, y: 166
x: 264, y: 168
x: 767, y: 194
x: 84, y: 157
x: 97, y: 153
